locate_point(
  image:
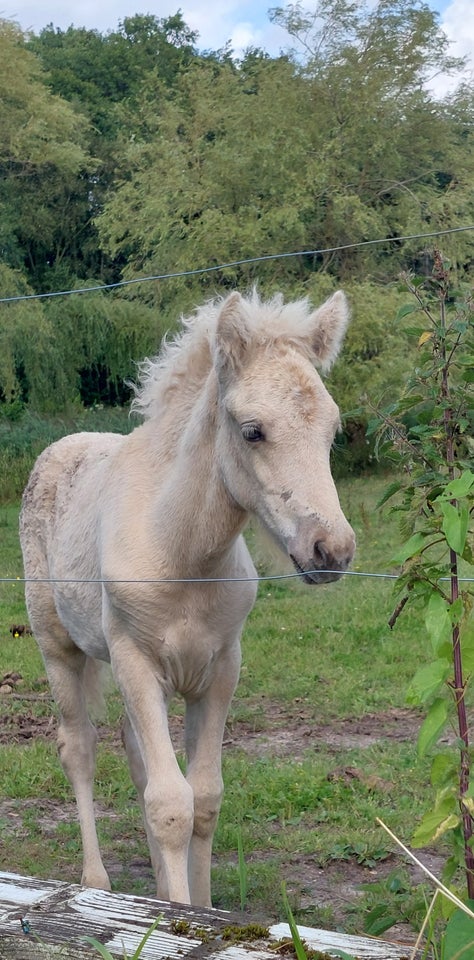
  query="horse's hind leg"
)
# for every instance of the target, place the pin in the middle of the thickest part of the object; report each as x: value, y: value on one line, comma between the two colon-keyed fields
x: 139, y: 777
x: 67, y: 669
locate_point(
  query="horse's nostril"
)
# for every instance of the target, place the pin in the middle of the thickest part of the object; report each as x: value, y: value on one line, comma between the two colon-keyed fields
x: 320, y: 553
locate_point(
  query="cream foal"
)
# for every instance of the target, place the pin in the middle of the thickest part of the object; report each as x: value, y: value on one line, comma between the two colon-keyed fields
x: 118, y: 533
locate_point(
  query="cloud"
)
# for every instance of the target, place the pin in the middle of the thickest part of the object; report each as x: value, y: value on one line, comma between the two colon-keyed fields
x: 457, y: 22
x: 241, y: 24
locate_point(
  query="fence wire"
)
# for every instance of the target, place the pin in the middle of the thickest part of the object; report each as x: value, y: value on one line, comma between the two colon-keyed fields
x: 237, y: 263
x: 256, y: 579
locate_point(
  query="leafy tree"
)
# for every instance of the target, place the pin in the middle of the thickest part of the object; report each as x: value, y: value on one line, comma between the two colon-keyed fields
x: 98, y: 340
x: 42, y: 161
x: 97, y: 71
x: 385, y: 161
x: 215, y: 177
x: 343, y: 145
x: 27, y: 349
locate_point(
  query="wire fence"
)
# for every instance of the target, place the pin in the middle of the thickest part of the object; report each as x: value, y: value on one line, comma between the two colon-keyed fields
x: 237, y: 263
x: 257, y: 579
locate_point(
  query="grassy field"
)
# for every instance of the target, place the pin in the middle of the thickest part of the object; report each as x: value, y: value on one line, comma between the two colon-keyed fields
x: 319, y: 743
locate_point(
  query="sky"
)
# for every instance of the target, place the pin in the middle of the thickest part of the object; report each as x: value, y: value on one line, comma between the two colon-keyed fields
x: 244, y: 23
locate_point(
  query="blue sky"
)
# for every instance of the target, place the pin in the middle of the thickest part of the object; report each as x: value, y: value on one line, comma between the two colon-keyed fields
x: 242, y: 23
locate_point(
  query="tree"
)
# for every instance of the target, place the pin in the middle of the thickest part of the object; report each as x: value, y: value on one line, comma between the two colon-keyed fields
x: 391, y: 165
x: 215, y: 177
x: 98, y: 71
x: 42, y: 161
x: 27, y: 349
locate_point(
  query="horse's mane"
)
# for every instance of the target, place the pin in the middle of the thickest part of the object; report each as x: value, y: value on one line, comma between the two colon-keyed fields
x: 185, y: 360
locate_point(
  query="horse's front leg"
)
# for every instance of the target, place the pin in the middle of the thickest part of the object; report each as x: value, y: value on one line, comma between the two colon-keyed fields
x: 139, y: 777
x: 167, y: 798
x: 205, y: 724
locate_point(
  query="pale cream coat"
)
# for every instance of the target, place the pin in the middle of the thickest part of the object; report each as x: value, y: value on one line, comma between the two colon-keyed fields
x: 237, y: 423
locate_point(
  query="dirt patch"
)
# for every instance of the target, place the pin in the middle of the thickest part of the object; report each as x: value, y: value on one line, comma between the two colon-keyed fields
x: 282, y: 731
x: 292, y: 732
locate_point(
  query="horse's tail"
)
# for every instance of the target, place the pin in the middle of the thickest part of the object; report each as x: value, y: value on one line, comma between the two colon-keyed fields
x: 97, y: 677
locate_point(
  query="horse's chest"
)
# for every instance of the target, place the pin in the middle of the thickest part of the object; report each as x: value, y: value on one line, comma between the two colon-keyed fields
x: 183, y: 640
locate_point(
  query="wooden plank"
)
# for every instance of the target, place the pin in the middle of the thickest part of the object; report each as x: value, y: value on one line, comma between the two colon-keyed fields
x: 369, y: 948
x: 60, y: 915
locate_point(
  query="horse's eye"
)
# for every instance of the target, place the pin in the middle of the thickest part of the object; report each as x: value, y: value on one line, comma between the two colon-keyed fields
x: 252, y: 432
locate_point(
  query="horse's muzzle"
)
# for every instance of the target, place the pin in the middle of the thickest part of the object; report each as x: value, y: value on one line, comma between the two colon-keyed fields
x: 326, y: 564
x: 312, y: 576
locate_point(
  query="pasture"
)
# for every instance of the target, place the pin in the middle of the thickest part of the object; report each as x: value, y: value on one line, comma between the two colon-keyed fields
x: 319, y: 742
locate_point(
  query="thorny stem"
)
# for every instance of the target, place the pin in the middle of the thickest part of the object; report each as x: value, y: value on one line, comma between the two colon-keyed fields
x: 458, y: 685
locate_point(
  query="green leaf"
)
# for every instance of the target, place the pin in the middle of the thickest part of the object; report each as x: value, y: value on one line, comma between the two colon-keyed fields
x: 104, y: 953
x: 391, y: 490
x: 427, y: 681
x: 467, y: 646
x: 443, y: 769
x: 455, y: 525
x: 460, y: 486
x: 295, y: 934
x: 407, y: 309
x: 146, y: 936
x: 437, y: 620
x: 436, y: 822
x: 432, y: 726
x: 458, y: 940
x: 410, y: 548
x: 378, y: 920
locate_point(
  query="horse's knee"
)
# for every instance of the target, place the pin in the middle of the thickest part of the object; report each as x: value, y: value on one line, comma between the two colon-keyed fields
x: 207, y: 805
x: 170, y: 814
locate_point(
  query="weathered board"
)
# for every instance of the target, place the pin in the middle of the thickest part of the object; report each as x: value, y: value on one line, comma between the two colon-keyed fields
x: 42, y: 919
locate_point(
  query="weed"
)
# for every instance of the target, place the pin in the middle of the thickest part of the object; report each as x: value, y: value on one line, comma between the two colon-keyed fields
x: 242, y: 871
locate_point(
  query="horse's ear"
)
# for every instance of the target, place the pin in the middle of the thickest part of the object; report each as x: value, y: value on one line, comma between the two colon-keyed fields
x: 329, y: 326
x: 231, y: 338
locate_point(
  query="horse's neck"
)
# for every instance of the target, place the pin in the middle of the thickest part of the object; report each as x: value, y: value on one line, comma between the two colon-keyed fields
x: 194, y: 512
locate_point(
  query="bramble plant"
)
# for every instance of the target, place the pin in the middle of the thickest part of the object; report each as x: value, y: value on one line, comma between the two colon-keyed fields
x: 429, y: 431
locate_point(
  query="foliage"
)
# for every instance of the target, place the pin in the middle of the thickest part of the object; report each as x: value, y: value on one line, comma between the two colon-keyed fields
x: 272, y: 155
x: 132, y: 153
x: 430, y: 433
x: 42, y: 161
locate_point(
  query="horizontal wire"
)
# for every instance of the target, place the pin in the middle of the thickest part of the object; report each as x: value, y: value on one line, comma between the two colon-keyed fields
x: 257, y: 579
x: 235, y: 263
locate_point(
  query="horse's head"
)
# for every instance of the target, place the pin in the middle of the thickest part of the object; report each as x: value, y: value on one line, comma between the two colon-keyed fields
x: 277, y: 423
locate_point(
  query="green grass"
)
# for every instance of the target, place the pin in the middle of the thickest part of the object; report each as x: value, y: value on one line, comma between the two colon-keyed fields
x: 324, y: 654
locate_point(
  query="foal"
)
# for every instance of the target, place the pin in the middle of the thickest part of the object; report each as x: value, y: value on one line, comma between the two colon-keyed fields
x: 134, y: 554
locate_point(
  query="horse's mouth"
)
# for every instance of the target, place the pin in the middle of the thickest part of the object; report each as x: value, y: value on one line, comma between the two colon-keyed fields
x: 313, y: 576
